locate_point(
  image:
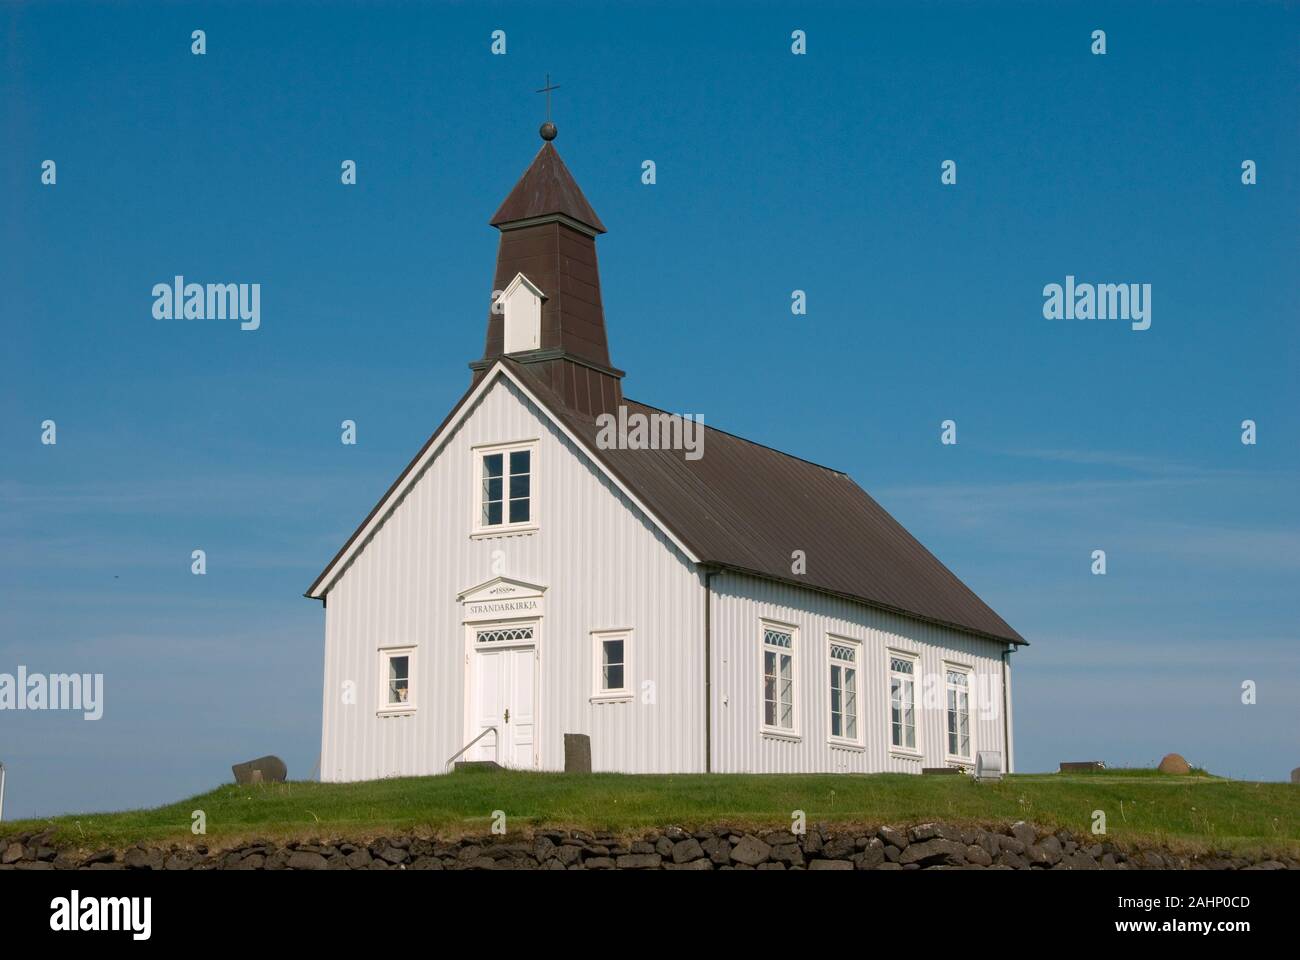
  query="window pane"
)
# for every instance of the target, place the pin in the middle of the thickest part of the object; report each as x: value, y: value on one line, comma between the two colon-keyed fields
x: 613, y: 650
x: 492, y: 513
x: 519, y: 461
x: 787, y: 692
x: 769, y: 688
x: 850, y: 704
x: 614, y: 676
x: 492, y: 488
x: 518, y: 511
x: 398, y: 679
x: 492, y: 465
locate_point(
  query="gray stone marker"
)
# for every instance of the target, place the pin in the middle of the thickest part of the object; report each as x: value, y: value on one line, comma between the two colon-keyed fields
x: 1081, y: 766
x: 1295, y: 775
x: 268, y: 769
x: 577, y: 753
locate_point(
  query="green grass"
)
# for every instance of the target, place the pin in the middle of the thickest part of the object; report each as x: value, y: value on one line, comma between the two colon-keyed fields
x: 1190, y: 813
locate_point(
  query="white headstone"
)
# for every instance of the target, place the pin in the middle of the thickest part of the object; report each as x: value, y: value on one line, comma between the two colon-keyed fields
x: 988, y: 765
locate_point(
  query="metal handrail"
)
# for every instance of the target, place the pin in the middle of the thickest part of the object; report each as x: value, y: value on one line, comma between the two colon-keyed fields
x: 486, y: 731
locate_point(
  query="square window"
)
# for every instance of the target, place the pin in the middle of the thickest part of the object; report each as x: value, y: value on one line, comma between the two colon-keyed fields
x: 505, y: 494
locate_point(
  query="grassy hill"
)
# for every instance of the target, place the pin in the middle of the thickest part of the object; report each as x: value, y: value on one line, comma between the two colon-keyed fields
x: 1189, y: 813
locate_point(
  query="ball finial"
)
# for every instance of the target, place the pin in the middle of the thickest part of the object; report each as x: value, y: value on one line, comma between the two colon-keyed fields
x: 548, y: 131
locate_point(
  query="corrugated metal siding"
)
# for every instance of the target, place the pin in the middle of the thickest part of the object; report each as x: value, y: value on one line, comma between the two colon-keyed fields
x: 605, y: 565
x: 740, y: 602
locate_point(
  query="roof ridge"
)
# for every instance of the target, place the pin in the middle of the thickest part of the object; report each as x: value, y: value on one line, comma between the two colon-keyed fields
x: 752, y: 443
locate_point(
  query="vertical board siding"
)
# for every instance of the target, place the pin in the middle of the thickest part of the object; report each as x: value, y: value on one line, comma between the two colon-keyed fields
x: 605, y: 566
x: 741, y: 602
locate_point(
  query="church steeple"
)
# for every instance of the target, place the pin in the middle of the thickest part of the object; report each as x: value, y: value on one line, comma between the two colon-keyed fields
x: 551, y: 320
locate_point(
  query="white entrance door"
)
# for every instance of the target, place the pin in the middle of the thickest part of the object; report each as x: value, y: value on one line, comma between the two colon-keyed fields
x: 503, y: 698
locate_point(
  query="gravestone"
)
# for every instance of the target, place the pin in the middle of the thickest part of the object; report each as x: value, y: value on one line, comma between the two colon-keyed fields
x: 1174, y: 763
x: 940, y: 770
x: 1295, y: 775
x: 269, y: 769
x: 577, y: 753
x: 988, y: 766
x: 1081, y: 766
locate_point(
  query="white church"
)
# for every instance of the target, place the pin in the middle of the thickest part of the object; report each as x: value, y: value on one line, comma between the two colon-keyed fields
x: 728, y: 609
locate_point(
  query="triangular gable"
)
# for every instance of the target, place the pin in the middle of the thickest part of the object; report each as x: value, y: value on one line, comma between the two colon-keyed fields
x: 518, y: 281
x: 361, y: 536
x: 499, y: 588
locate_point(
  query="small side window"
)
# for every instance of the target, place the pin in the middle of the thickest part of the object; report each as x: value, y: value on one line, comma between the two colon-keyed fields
x: 396, y: 694
x: 612, y: 679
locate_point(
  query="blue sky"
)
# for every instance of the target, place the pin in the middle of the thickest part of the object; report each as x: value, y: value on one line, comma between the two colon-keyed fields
x: 774, y: 173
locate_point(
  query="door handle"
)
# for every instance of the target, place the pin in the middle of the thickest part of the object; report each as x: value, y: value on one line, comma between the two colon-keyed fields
x: 507, y: 714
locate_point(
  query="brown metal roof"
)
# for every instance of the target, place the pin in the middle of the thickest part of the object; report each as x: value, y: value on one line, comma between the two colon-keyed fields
x: 545, y: 189
x: 747, y: 507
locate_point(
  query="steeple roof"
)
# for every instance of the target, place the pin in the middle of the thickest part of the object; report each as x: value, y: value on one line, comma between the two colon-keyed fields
x: 548, y: 234
x: 547, y: 189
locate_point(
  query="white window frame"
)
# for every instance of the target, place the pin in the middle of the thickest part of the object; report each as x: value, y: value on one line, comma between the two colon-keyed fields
x: 969, y: 758
x: 385, y: 655
x: 793, y: 731
x: 900, y: 750
x: 856, y: 665
x: 598, y: 692
x: 481, y: 529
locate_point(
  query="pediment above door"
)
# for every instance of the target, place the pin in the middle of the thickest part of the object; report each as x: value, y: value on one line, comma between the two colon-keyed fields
x: 502, y: 598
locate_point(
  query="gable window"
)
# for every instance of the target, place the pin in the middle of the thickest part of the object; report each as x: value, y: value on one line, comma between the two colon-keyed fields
x: 395, y: 672
x: 778, y: 679
x: 844, y: 691
x: 902, y: 702
x: 506, y: 495
x: 610, y: 659
x: 957, y: 684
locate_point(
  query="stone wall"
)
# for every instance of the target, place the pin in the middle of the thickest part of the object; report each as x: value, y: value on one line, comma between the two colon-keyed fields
x: 927, y: 846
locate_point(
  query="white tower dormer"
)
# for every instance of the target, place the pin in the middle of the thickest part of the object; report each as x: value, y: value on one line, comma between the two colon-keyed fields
x: 521, y: 305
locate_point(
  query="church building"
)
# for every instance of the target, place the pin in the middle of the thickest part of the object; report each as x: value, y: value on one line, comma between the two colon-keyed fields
x: 719, y: 608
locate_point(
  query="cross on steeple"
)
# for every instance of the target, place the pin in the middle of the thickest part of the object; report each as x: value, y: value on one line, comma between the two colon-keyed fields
x: 547, y: 90
x: 548, y: 130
